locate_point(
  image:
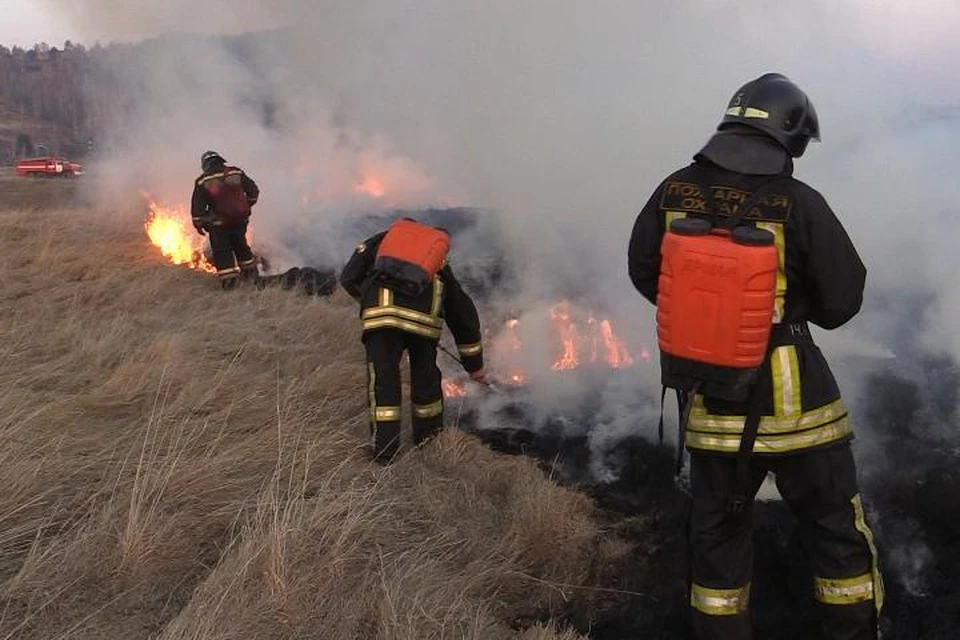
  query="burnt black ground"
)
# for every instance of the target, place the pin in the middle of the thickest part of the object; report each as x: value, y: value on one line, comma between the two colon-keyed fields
x: 912, y: 494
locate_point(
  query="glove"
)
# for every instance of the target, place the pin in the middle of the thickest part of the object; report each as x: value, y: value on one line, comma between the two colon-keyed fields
x: 199, y: 229
x: 479, y: 376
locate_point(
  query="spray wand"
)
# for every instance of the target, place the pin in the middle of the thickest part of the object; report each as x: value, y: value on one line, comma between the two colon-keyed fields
x: 489, y: 385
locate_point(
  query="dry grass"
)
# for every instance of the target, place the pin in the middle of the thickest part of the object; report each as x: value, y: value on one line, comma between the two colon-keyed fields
x: 180, y: 462
x: 21, y: 192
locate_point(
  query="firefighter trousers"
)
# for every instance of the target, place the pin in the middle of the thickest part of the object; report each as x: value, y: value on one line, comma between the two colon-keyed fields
x: 820, y: 487
x: 232, y: 256
x: 385, y: 349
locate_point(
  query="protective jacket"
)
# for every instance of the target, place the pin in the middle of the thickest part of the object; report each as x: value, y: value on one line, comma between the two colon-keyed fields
x: 223, y: 198
x: 820, y: 280
x: 422, y: 315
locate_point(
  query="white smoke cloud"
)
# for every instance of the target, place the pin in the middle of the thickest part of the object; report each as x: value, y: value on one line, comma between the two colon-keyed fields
x: 560, y: 115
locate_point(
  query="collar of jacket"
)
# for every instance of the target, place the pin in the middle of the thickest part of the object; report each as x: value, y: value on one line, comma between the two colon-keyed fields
x: 747, y: 152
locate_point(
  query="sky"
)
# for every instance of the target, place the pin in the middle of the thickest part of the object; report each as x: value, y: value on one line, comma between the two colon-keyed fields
x: 24, y: 23
x: 27, y: 22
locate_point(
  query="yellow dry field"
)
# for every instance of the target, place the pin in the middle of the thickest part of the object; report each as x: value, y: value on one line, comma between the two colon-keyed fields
x: 181, y: 462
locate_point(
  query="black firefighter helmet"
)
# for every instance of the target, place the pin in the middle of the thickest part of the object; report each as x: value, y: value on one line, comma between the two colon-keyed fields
x: 777, y: 107
x: 211, y: 160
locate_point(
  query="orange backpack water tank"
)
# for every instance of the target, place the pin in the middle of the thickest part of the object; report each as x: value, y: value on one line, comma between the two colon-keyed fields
x: 410, y: 255
x: 230, y: 200
x: 715, y: 305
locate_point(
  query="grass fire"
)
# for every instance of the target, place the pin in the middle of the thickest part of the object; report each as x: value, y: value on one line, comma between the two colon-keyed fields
x: 190, y: 440
x: 566, y: 334
x: 171, y: 231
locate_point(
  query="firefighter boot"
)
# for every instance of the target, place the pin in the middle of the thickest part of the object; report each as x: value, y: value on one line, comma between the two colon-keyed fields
x: 228, y: 281
x: 249, y: 271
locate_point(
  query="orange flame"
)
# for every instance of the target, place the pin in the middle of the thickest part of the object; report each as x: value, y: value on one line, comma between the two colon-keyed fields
x: 453, y: 390
x: 560, y: 314
x: 515, y: 343
x: 168, y: 230
x: 516, y: 377
x: 581, y: 337
x: 617, y: 354
x: 371, y: 185
x: 599, y: 344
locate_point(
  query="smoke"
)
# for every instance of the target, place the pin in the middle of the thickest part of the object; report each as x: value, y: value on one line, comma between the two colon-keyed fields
x: 559, y: 116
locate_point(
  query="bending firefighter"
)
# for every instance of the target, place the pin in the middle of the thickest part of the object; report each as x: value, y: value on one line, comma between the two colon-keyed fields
x: 223, y: 197
x: 733, y: 247
x: 406, y: 291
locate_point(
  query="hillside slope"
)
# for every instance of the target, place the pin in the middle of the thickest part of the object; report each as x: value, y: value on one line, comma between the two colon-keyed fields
x: 180, y: 462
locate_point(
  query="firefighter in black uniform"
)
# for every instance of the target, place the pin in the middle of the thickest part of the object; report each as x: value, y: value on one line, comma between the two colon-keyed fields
x: 223, y: 197
x: 804, y: 431
x: 393, y: 322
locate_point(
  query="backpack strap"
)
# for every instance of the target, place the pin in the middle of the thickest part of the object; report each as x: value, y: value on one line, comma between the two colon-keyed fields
x: 744, y: 208
x: 740, y: 498
x: 684, y: 404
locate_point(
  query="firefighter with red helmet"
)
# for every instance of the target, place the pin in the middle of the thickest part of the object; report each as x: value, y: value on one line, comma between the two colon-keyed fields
x: 407, y: 291
x: 795, y: 423
x: 223, y: 197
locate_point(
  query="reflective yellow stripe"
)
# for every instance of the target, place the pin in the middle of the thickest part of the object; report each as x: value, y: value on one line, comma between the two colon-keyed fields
x: 390, y: 322
x: 212, y: 176
x: 470, y: 349
x: 767, y: 443
x: 386, y: 297
x: 780, y: 241
x: 720, y: 602
x: 753, y: 112
x: 860, y: 522
x: 786, y: 381
x: 247, y: 263
x: 428, y: 410
x: 228, y: 272
x: 700, y: 420
x: 401, y: 312
x: 843, y: 590
x: 386, y: 414
x: 437, y: 297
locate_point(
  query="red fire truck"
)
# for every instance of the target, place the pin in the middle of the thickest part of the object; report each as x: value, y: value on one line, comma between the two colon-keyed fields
x: 50, y: 166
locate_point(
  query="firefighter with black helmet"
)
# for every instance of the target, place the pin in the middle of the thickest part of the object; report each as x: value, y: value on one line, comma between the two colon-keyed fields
x: 407, y: 291
x: 795, y: 423
x: 223, y: 197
